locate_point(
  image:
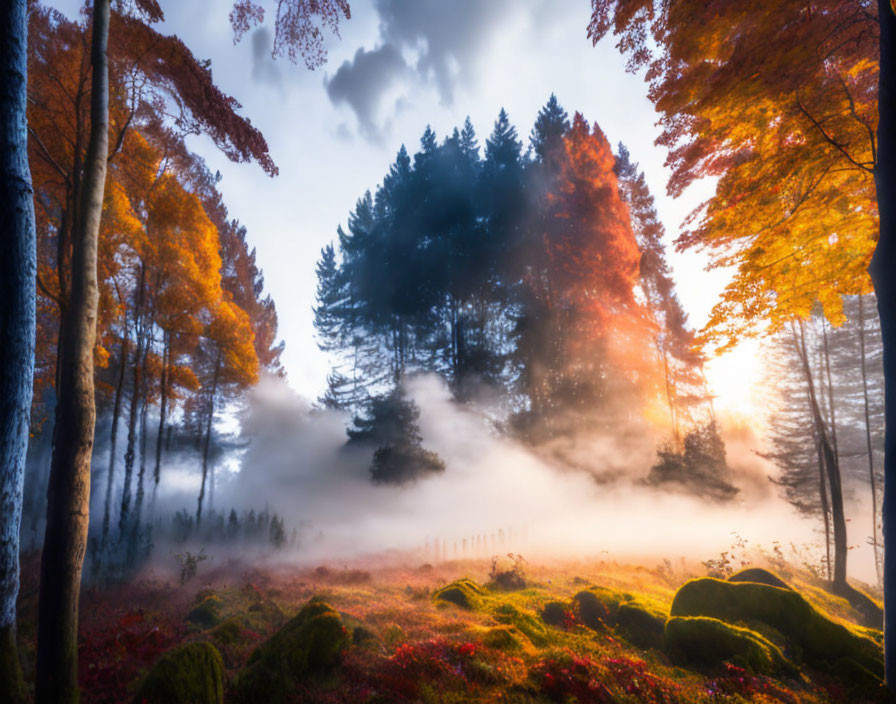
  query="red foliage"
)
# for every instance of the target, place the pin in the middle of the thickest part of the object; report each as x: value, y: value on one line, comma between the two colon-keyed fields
x: 436, y: 662
x: 110, y: 658
x: 571, y: 677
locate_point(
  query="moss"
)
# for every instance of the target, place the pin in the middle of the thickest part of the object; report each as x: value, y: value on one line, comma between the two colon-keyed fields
x: 462, y: 592
x: 760, y: 576
x: 710, y: 642
x: 807, y: 631
x: 206, y: 613
x: 860, y: 683
x: 12, y: 686
x: 504, y: 638
x: 554, y: 614
x: 311, y: 642
x: 640, y: 625
x: 362, y: 636
x: 190, y: 674
x: 597, y: 606
x: 525, y: 623
x: 227, y: 632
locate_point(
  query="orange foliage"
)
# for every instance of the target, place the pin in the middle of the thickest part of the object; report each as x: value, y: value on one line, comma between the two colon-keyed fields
x: 778, y: 100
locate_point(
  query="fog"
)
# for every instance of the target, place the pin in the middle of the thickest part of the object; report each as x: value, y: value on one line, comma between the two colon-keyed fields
x: 298, y: 466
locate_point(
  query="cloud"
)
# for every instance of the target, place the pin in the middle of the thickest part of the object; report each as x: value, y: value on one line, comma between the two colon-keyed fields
x: 364, y: 82
x: 450, y: 37
x: 446, y: 43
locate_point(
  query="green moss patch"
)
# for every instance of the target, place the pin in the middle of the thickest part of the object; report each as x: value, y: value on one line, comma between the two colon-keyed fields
x: 808, y: 633
x: 504, y: 638
x: 311, y: 642
x: 637, y: 622
x: 760, y: 576
x: 524, y: 622
x: 710, y: 642
x: 189, y: 674
x: 206, y: 613
x: 554, y: 614
x: 641, y: 625
x: 464, y: 593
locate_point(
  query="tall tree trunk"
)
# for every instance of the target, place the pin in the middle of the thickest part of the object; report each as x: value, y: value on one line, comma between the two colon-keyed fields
x: 163, y: 414
x: 868, y: 444
x: 141, y: 475
x: 831, y: 406
x: 883, y: 266
x: 825, y: 506
x: 18, y: 261
x: 137, y: 377
x: 208, y: 437
x: 832, y: 468
x: 68, y: 494
x: 113, y: 436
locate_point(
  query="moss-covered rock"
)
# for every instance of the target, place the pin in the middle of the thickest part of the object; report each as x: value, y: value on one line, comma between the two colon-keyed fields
x: 311, y: 642
x: 554, y: 614
x: 227, y: 632
x: 189, y: 674
x: 524, y: 622
x: 808, y: 633
x: 638, y: 623
x: 597, y: 607
x: 760, y: 576
x: 206, y: 613
x: 710, y: 642
x: 462, y: 592
x: 504, y: 638
x: 641, y: 625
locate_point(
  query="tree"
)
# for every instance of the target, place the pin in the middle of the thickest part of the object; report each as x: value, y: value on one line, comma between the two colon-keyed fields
x: 17, y: 325
x: 69, y: 490
x: 793, y: 136
x: 883, y: 264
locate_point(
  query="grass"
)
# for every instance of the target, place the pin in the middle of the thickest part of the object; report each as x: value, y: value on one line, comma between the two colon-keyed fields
x: 406, y: 644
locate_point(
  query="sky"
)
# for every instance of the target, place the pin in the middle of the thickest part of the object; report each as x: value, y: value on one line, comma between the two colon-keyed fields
x: 398, y: 66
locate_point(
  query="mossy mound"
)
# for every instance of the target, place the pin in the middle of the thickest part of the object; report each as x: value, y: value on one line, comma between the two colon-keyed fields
x: 597, y: 606
x: 189, y: 674
x: 870, y: 612
x: 710, y: 642
x: 503, y: 638
x: 809, y: 634
x: 362, y: 636
x: 227, y: 633
x: 640, y: 625
x: 554, y: 614
x: 311, y: 642
x: 759, y: 576
x: 464, y: 593
x: 206, y: 613
x: 526, y: 623
x: 264, y: 614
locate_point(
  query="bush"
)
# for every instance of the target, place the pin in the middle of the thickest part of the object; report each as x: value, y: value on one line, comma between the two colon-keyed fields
x: 189, y: 674
x: 312, y: 642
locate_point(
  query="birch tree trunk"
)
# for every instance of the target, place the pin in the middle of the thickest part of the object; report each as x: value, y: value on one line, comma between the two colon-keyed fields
x: 18, y: 261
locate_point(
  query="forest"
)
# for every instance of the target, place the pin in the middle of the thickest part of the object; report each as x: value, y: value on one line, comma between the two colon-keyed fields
x: 496, y: 460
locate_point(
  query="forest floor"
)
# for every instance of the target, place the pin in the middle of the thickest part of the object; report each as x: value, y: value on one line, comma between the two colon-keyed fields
x: 527, y: 636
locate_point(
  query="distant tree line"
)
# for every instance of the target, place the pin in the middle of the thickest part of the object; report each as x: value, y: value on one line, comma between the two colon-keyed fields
x: 538, y: 277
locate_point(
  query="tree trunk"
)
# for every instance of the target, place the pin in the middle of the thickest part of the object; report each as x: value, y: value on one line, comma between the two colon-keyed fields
x: 163, y: 413
x: 137, y: 377
x: 883, y: 266
x: 831, y: 406
x: 208, y: 437
x: 832, y: 468
x: 113, y: 436
x: 869, y: 445
x: 68, y: 494
x: 18, y: 261
x: 825, y: 506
